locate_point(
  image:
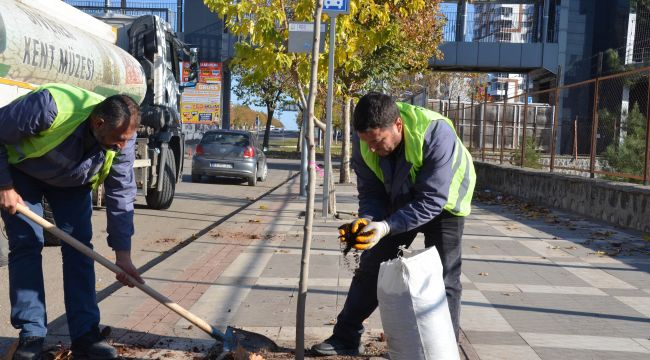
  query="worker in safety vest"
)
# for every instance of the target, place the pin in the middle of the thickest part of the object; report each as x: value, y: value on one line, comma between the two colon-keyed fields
x: 58, y: 142
x: 413, y: 176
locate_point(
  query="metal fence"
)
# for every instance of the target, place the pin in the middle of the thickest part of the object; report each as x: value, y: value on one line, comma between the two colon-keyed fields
x: 596, y: 128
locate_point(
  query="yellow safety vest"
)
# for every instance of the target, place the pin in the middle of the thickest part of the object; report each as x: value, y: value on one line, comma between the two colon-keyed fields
x: 416, y: 122
x: 74, y: 106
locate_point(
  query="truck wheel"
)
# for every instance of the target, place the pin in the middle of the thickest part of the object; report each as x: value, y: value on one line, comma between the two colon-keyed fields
x: 50, y: 239
x: 159, y: 200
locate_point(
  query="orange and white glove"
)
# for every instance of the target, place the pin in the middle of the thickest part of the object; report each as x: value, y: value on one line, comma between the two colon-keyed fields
x: 371, y: 234
x: 350, y: 230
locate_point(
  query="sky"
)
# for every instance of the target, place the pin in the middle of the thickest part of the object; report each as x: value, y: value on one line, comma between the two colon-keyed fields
x: 288, y: 118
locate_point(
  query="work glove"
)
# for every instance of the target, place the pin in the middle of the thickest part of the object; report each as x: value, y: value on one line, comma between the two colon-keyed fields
x: 348, y: 233
x: 351, y: 229
x: 371, y: 234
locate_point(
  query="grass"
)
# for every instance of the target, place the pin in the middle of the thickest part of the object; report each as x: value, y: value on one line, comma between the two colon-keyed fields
x: 286, y: 148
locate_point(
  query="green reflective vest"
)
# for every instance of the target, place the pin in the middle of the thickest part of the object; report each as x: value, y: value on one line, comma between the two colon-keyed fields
x: 416, y: 121
x: 74, y: 106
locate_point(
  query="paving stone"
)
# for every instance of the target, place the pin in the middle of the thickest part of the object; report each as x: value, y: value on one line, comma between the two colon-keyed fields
x: 495, y: 338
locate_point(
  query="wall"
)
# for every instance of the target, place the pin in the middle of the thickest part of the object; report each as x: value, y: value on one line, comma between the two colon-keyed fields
x: 622, y: 204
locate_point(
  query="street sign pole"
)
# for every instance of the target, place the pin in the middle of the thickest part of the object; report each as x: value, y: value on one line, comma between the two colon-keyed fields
x: 331, y: 8
x: 303, y: 155
x: 328, y: 128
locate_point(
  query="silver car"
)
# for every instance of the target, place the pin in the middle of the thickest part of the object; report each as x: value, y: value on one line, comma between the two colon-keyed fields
x: 229, y: 153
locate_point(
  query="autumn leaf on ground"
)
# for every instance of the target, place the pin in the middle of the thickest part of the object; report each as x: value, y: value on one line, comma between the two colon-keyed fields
x: 483, y: 274
x: 264, y: 207
x: 253, y: 221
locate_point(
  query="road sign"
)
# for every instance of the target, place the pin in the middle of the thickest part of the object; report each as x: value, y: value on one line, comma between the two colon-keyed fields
x: 336, y: 7
x: 301, y: 37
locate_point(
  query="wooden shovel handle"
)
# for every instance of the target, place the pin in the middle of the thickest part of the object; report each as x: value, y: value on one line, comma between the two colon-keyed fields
x: 200, y: 323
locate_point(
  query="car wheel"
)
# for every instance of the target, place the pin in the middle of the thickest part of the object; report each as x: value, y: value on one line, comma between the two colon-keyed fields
x: 196, y: 178
x: 252, y: 181
x: 265, y: 172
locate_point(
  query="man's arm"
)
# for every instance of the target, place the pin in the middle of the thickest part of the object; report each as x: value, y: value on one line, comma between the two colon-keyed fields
x: 120, y: 195
x: 22, y: 118
x: 373, y: 199
x: 432, y: 182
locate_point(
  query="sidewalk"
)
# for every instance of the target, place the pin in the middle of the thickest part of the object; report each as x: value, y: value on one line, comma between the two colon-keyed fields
x: 537, y: 285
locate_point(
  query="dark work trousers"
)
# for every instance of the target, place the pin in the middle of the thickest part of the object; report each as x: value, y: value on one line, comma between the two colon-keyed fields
x: 72, y: 210
x: 444, y: 232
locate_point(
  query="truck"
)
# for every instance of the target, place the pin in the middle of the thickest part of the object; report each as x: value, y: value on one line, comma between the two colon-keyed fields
x: 46, y: 41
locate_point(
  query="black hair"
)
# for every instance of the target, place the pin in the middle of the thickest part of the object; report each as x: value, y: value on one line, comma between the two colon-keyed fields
x: 374, y: 110
x: 117, y: 109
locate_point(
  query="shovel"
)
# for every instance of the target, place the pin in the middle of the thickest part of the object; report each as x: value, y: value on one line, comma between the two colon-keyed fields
x: 230, y: 339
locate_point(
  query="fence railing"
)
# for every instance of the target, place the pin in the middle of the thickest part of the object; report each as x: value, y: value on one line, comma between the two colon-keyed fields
x: 165, y: 10
x: 597, y: 128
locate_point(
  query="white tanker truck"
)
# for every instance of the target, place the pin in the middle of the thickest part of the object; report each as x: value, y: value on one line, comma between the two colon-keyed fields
x: 45, y: 41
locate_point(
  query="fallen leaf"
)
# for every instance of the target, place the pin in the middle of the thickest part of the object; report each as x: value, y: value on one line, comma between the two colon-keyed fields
x: 646, y: 237
x: 483, y: 274
x: 264, y: 207
x: 475, y: 247
x: 572, y: 247
x: 505, y: 294
x: 253, y: 221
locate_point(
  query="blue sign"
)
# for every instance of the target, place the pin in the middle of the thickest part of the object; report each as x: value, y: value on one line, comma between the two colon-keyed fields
x: 336, y: 6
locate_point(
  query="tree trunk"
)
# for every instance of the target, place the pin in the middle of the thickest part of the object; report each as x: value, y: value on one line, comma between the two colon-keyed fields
x: 331, y: 204
x: 321, y: 125
x: 269, y: 119
x: 345, y: 142
x: 301, y: 134
x: 311, y: 190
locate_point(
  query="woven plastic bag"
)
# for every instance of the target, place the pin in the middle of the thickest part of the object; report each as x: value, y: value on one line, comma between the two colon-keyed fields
x: 413, y: 307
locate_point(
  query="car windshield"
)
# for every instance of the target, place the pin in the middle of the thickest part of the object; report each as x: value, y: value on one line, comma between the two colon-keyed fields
x: 225, y: 139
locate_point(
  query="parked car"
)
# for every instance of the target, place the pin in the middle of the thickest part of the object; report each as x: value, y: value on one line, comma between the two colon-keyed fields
x: 229, y: 153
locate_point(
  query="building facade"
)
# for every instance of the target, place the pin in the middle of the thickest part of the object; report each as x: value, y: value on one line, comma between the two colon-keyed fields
x: 509, y: 23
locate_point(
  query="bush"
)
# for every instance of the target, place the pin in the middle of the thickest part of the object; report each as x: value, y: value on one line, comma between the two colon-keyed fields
x: 531, y: 155
x: 628, y: 157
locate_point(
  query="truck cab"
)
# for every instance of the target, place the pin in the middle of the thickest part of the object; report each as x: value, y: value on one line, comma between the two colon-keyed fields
x: 160, y: 148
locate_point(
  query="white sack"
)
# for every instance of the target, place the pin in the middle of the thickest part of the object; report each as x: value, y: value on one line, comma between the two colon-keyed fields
x: 413, y: 308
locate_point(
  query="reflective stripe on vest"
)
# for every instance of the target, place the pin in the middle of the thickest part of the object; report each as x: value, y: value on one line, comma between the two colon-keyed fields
x: 74, y: 106
x: 416, y: 122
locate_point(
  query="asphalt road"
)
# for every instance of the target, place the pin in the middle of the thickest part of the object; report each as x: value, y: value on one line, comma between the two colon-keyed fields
x: 196, y: 207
